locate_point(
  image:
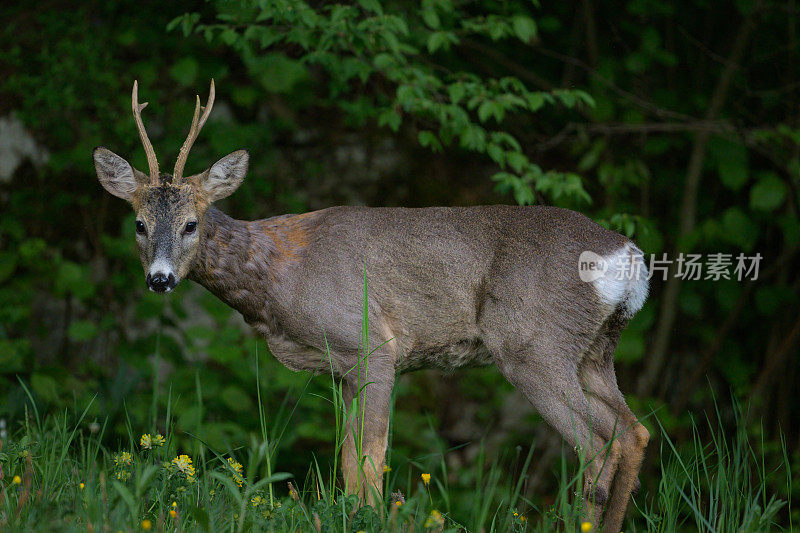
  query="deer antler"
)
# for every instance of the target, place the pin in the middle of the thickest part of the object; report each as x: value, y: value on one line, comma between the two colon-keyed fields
x: 197, y: 124
x: 152, y: 162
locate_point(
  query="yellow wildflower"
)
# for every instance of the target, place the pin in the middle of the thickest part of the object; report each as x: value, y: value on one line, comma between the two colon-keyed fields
x: 523, y: 518
x: 387, y: 469
x: 256, y: 500
x: 123, y: 459
x: 426, y: 478
x: 82, y: 486
x: 237, y: 471
x: 16, y: 480
x: 398, y: 503
x: 586, y: 527
x: 184, y: 464
x: 173, y: 513
x: 174, y: 504
x: 147, y: 525
x: 435, y: 519
x: 149, y: 442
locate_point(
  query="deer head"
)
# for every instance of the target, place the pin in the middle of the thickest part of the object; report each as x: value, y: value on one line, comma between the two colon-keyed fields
x: 169, y: 208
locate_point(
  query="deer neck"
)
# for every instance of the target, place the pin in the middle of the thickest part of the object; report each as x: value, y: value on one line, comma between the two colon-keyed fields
x: 247, y: 264
x: 233, y: 263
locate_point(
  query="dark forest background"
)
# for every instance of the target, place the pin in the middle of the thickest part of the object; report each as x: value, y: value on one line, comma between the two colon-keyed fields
x: 677, y: 123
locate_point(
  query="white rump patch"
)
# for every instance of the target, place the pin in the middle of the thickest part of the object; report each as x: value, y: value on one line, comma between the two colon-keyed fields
x: 619, y: 278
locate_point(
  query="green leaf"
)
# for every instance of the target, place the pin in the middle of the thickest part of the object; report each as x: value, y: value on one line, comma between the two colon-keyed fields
x: 486, y: 110
x: 371, y: 5
x: 278, y: 73
x: 391, y: 118
x: 456, y: 92
x: 172, y: 24
x: 496, y: 153
x: 497, y: 29
x: 516, y: 160
x: 768, y: 193
x: 436, y: 40
x: 585, y: 97
x: 568, y: 98
x: 473, y: 138
x: 82, y: 331
x: 732, y: 163
x: 45, y: 386
x: 73, y: 278
x: 427, y: 139
x: 185, y: 71
x: 738, y: 229
x: 384, y: 61
x: 524, y: 28
x: 535, y: 101
x: 431, y: 18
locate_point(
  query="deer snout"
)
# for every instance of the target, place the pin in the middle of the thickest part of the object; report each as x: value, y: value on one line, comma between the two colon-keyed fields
x: 161, y: 282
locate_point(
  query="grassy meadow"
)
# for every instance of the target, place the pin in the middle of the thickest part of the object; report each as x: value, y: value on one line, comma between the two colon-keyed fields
x: 55, y: 474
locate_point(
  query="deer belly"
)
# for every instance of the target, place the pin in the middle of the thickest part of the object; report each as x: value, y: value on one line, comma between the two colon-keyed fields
x: 461, y: 354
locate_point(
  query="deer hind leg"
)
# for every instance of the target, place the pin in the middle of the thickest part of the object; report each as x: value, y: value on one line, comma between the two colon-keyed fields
x: 628, y: 431
x: 551, y: 384
x: 619, y: 425
x: 366, y: 437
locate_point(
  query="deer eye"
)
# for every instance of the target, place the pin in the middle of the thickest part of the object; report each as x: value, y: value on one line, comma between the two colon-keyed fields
x: 190, y: 227
x: 140, y: 227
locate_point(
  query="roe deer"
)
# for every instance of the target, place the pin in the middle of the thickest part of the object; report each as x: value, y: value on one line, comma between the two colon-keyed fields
x: 448, y: 288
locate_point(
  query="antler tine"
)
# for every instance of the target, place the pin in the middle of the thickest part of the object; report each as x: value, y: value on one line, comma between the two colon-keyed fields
x: 197, y: 124
x: 152, y: 162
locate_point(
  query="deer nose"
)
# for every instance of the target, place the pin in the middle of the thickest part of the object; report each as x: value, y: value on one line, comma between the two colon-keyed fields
x: 160, y: 282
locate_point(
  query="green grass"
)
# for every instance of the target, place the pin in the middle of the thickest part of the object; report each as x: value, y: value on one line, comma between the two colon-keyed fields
x: 56, y: 474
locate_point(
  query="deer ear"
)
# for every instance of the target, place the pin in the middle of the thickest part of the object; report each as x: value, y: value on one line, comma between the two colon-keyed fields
x: 225, y: 175
x: 116, y: 175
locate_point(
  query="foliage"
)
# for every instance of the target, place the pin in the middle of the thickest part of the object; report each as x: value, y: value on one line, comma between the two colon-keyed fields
x: 392, y: 64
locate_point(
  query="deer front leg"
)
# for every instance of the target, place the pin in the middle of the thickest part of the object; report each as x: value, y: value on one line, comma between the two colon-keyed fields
x: 367, y: 433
